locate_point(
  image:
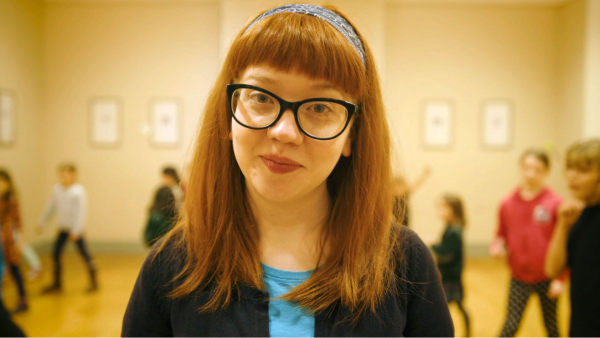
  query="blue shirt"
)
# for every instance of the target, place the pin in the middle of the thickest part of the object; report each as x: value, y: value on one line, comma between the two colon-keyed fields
x: 287, y: 319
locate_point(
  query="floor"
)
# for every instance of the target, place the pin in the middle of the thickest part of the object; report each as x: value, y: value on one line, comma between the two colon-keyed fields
x: 75, y: 313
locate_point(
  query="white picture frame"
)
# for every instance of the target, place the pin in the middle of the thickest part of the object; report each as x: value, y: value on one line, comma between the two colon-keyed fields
x: 438, y: 116
x: 8, y: 118
x: 165, y: 122
x: 105, y: 122
x: 497, y: 124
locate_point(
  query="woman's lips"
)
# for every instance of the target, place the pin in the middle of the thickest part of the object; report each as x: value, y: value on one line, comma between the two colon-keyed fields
x: 280, y: 165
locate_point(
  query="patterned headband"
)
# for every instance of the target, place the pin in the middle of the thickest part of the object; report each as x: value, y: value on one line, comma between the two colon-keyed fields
x: 331, y: 17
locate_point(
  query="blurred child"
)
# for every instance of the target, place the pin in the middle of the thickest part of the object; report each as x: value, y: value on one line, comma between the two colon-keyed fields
x: 69, y: 202
x: 449, y: 252
x: 575, y: 241
x: 526, y: 222
x: 10, y: 220
x: 167, y: 203
x: 7, y: 326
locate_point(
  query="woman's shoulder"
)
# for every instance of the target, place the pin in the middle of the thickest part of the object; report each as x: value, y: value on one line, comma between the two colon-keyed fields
x: 165, y: 261
x: 411, y: 252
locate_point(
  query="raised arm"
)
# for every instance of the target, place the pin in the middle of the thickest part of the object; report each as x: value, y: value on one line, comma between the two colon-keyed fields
x: 556, y: 257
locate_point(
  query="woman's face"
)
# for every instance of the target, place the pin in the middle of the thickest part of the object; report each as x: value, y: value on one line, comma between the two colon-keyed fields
x: 533, y: 171
x: 584, y: 183
x: 281, y: 164
x: 4, y: 186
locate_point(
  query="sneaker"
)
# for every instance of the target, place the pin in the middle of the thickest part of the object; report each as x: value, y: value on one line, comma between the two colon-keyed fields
x: 54, y: 288
x: 92, y: 289
x: 22, y: 307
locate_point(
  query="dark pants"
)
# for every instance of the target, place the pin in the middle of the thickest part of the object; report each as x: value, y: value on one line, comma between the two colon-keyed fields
x: 58, y: 248
x: 18, y: 277
x: 517, y: 300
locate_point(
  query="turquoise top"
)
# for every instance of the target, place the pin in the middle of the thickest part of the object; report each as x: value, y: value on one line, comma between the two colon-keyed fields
x: 287, y: 319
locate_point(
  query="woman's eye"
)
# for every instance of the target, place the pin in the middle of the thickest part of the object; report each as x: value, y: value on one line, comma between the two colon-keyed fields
x: 320, y: 108
x: 261, y: 98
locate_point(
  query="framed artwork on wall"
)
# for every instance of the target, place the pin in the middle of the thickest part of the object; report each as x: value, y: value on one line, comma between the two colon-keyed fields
x: 8, y: 118
x: 105, y: 129
x: 497, y: 122
x: 165, y: 115
x: 437, y: 122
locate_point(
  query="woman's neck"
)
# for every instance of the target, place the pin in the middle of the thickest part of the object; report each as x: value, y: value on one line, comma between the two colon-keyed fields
x: 291, y: 232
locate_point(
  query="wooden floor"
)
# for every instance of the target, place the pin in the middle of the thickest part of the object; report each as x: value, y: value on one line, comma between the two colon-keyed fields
x: 74, y: 313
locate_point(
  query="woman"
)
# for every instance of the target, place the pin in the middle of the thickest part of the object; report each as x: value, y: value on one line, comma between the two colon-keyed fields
x: 575, y: 241
x: 288, y: 211
x: 7, y: 327
x: 10, y: 222
x: 526, y: 221
x: 449, y: 252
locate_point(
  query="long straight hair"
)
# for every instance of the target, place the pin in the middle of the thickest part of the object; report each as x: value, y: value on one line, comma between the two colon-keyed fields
x: 219, y: 236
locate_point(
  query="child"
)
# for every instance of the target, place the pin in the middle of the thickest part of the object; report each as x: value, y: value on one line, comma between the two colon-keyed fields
x: 10, y: 218
x: 450, y: 251
x: 165, y: 207
x: 7, y: 326
x: 575, y: 241
x: 526, y: 222
x: 69, y: 201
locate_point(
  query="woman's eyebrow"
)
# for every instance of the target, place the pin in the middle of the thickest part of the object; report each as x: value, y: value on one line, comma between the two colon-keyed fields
x: 261, y: 78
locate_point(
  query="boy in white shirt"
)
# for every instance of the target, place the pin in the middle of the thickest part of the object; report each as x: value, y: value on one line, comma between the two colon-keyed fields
x: 69, y: 202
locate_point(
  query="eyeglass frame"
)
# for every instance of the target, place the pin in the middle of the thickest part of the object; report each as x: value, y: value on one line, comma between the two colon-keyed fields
x: 294, y: 106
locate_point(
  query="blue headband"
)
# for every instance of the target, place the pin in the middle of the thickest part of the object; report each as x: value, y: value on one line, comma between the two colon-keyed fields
x: 331, y: 17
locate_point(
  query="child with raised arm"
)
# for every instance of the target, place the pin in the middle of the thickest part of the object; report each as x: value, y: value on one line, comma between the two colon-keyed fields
x: 69, y: 202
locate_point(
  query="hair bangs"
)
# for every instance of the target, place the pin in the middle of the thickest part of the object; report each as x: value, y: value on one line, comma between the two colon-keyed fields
x: 302, y: 43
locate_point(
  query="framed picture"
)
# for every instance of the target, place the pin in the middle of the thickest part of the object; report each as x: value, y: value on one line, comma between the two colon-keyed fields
x: 8, y: 118
x: 165, y: 122
x: 105, y: 122
x: 437, y: 121
x: 497, y: 121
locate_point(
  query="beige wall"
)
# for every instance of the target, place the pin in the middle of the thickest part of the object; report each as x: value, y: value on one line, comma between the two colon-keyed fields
x: 20, y: 72
x: 62, y: 53
x: 467, y: 53
x: 135, y: 51
x: 571, y: 34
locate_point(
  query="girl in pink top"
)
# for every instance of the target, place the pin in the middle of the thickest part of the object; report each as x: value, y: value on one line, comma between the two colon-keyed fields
x: 526, y: 221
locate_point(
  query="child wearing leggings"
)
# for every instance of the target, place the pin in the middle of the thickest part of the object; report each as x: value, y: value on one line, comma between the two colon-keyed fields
x: 526, y: 223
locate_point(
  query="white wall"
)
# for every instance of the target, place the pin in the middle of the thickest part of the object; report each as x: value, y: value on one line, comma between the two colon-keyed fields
x: 20, y: 72
x: 137, y: 52
x: 467, y: 53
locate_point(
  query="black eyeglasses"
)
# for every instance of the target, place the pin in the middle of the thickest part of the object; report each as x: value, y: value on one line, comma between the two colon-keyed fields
x: 319, y: 118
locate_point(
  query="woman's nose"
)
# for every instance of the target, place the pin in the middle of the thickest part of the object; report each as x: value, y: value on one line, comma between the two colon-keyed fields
x: 286, y: 130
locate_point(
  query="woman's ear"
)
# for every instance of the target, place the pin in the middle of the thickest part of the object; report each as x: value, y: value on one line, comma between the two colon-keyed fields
x: 347, y: 149
x: 230, y: 135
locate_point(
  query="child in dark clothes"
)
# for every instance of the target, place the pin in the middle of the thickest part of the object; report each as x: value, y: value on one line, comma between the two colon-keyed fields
x: 574, y: 244
x: 449, y: 251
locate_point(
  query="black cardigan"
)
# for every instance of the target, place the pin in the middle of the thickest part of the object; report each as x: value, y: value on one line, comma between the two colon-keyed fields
x: 419, y: 309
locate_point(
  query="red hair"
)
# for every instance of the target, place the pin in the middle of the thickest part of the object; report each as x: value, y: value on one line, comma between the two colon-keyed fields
x: 219, y: 238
